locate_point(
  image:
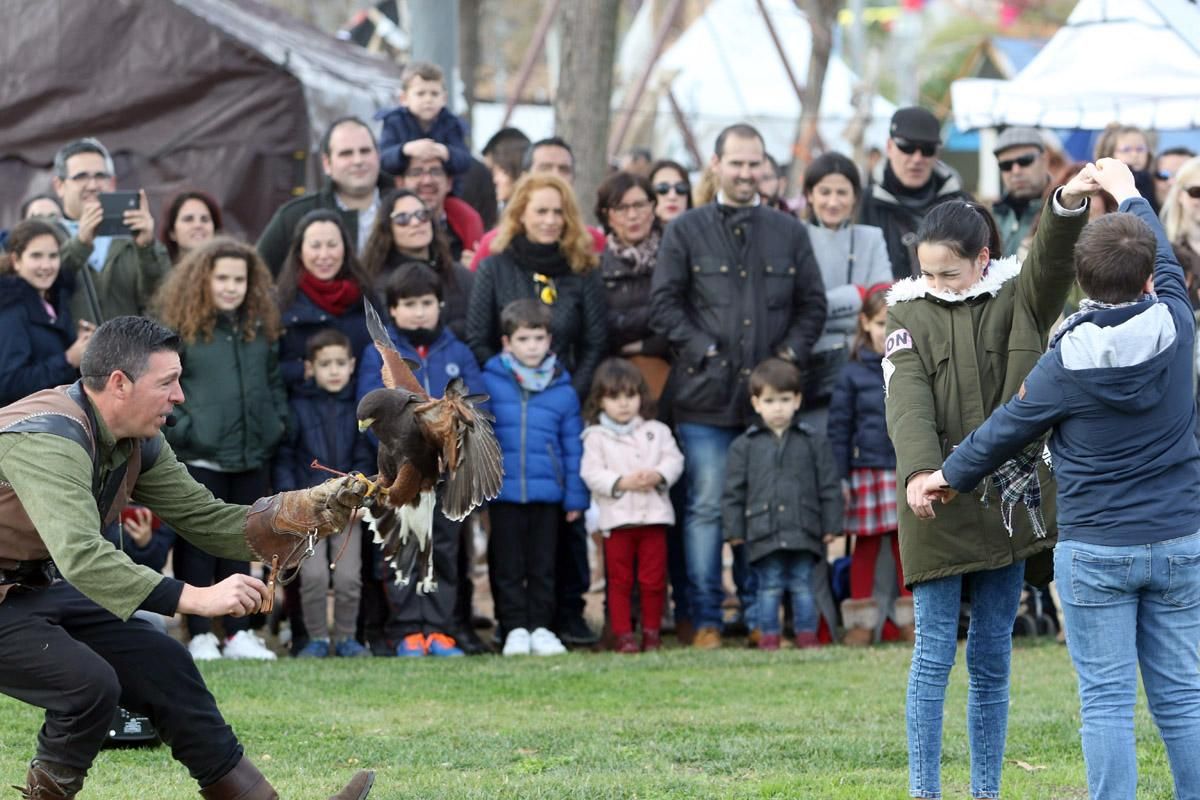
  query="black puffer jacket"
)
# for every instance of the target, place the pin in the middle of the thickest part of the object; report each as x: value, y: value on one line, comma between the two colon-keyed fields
x: 627, y: 292
x: 750, y: 301
x: 578, y: 324
x: 32, y: 346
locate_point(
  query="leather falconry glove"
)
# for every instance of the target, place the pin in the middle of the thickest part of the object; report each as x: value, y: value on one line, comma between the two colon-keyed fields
x: 285, y: 525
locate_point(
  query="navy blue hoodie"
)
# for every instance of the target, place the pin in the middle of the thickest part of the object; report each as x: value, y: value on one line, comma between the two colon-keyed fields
x: 1117, y: 390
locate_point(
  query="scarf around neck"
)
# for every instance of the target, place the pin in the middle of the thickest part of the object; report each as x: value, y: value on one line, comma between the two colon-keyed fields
x: 621, y: 430
x: 640, y: 257
x: 332, y: 296
x: 547, y: 259
x: 531, y: 379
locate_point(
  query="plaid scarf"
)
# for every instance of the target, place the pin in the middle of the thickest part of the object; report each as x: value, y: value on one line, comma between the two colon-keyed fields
x: 1016, y: 481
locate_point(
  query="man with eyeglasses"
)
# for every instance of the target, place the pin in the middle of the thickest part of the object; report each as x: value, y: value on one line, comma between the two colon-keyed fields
x: 906, y: 184
x: 117, y: 275
x: 427, y: 177
x: 350, y: 161
x: 1020, y: 153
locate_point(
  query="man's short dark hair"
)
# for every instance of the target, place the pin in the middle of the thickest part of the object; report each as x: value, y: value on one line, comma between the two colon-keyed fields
x: 412, y: 279
x: 88, y: 145
x: 1174, y: 151
x: 326, y: 337
x: 1114, y: 256
x: 553, y: 141
x: 524, y: 313
x: 741, y: 130
x: 328, y: 135
x: 506, y: 137
x: 124, y: 344
x: 777, y: 374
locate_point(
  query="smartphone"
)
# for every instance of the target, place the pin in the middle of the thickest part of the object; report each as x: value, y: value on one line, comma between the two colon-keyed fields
x: 114, y: 205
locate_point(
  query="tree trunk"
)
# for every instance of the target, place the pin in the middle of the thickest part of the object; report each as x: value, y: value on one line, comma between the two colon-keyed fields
x: 822, y: 17
x: 582, y: 101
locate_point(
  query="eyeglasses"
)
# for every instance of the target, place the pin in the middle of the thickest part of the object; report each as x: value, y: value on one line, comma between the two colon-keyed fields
x: 637, y: 207
x: 1132, y: 148
x: 1163, y: 175
x: 1020, y: 161
x: 546, y: 291
x: 84, y: 177
x: 432, y: 172
x: 1193, y: 192
x: 680, y: 188
x: 403, y: 218
x: 928, y: 149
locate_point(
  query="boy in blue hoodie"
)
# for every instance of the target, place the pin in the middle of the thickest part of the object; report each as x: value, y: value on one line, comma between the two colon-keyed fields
x: 423, y: 624
x: 422, y: 127
x: 538, y: 425
x: 1116, y: 392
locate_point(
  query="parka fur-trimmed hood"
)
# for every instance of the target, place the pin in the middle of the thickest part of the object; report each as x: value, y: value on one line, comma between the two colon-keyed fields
x: 997, y: 274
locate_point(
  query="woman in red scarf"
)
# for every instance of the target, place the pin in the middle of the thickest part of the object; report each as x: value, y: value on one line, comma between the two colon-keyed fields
x: 321, y: 286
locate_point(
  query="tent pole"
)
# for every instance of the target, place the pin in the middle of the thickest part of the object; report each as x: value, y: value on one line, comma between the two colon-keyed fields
x: 536, y: 45
x: 787, y: 67
x: 689, y: 138
x: 631, y: 101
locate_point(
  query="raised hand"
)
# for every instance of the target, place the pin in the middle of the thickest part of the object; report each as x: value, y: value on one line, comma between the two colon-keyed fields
x: 1114, y: 177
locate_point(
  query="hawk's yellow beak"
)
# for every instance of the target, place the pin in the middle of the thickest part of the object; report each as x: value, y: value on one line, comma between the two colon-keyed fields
x: 363, y: 424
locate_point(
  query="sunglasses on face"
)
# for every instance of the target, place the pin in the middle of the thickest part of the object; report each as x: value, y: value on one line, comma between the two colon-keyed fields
x: 1021, y: 161
x: 1163, y: 175
x: 908, y: 148
x: 1193, y: 192
x: 407, y: 217
x: 680, y: 188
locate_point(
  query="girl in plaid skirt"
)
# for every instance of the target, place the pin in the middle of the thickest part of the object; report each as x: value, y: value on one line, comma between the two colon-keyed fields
x: 867, y: 464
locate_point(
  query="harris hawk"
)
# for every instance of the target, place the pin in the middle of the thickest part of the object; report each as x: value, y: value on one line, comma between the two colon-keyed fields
x: 420, y: 440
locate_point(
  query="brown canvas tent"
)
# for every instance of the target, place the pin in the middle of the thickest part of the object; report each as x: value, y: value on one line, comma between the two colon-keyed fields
x: 227, y: 96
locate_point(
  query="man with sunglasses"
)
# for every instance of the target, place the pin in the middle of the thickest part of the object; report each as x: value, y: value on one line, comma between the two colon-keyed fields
x: 905, y: 185
x: 429, y: 179
x: 122, y: 272
x: 1021, y: 155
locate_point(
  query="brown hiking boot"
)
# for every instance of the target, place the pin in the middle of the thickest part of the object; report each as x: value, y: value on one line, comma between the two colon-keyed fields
x: 49, y: 781
x: 245, y: 782
x: 707, y: 638
x: 860, y: 618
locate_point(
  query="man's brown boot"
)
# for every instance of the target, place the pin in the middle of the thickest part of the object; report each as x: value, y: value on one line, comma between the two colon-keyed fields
x: 49, y: 781
x: 245, y: 782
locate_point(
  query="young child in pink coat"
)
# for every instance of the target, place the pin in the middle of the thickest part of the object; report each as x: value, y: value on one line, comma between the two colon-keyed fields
x: 629, y: 464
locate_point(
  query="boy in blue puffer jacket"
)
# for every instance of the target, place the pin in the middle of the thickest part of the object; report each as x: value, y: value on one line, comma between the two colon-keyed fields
x: 424, y: 624
x: 538, y: 425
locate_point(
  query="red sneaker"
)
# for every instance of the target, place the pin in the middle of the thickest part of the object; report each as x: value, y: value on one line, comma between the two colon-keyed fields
x: 627, y: 643
x: 769, y: 641
x: 651, y: 640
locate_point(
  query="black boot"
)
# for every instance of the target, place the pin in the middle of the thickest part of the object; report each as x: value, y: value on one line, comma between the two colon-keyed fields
x: 245, y: 782
x: 46, y: 780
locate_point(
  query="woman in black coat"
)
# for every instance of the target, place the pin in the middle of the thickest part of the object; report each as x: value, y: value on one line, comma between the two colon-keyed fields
x: 544, y: 251
x: 39, y: 346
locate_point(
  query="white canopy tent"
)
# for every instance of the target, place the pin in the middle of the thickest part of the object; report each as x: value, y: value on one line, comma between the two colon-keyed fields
x: 1132, y: 61
x: 725, y: 69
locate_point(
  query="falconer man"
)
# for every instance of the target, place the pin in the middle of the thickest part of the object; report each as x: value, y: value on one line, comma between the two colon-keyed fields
x: 70, y: 459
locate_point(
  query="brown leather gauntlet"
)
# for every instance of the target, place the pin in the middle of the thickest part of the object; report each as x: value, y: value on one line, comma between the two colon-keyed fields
x: 281, y: 525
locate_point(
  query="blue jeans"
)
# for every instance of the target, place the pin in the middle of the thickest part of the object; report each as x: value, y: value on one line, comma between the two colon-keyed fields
x: 1124, y: 607
x: 994, y: 596
x: 705, y: 448
x: 785, y: 570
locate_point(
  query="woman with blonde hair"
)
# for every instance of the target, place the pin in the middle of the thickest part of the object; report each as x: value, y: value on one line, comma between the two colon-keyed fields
x: 1181, y: 221
x: 220, y: 300
x: 543, y: 250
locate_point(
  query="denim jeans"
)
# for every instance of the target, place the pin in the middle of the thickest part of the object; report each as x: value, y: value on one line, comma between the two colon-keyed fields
x: 994, y: 596
x: 785, y: 570
x: 1124, y: 607
x: 706, y: 448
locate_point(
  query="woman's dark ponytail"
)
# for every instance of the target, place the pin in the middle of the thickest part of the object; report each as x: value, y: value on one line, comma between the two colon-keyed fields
x: 963, y: 226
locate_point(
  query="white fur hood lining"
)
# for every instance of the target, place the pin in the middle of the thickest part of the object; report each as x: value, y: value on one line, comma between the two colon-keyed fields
x: 998, y: 273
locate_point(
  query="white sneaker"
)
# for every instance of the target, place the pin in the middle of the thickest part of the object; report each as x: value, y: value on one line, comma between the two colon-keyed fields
x: 204, y: 647
x: 517, y: 642
x: 544, y: 643
x: 247, y: 644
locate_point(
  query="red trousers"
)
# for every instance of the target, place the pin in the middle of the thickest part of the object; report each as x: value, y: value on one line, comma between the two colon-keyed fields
x: 862, y: 573
x: 641, y: 552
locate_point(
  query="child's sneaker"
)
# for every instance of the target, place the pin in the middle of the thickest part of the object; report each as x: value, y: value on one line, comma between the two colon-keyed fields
x: 627, y: 643
x: 411, y: 646
x: 543, y: 642
x: 316, y: 648
x: 518, y: 642
x: 769, y: 641
x: 247, y: 644
x: 439, y: 644
x: 806, y: 640
x: 651, y: 641
x: 203, y: 647
x: 351, y: 648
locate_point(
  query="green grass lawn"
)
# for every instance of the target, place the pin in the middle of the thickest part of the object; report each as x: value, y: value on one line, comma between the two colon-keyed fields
x: 679, y: 724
